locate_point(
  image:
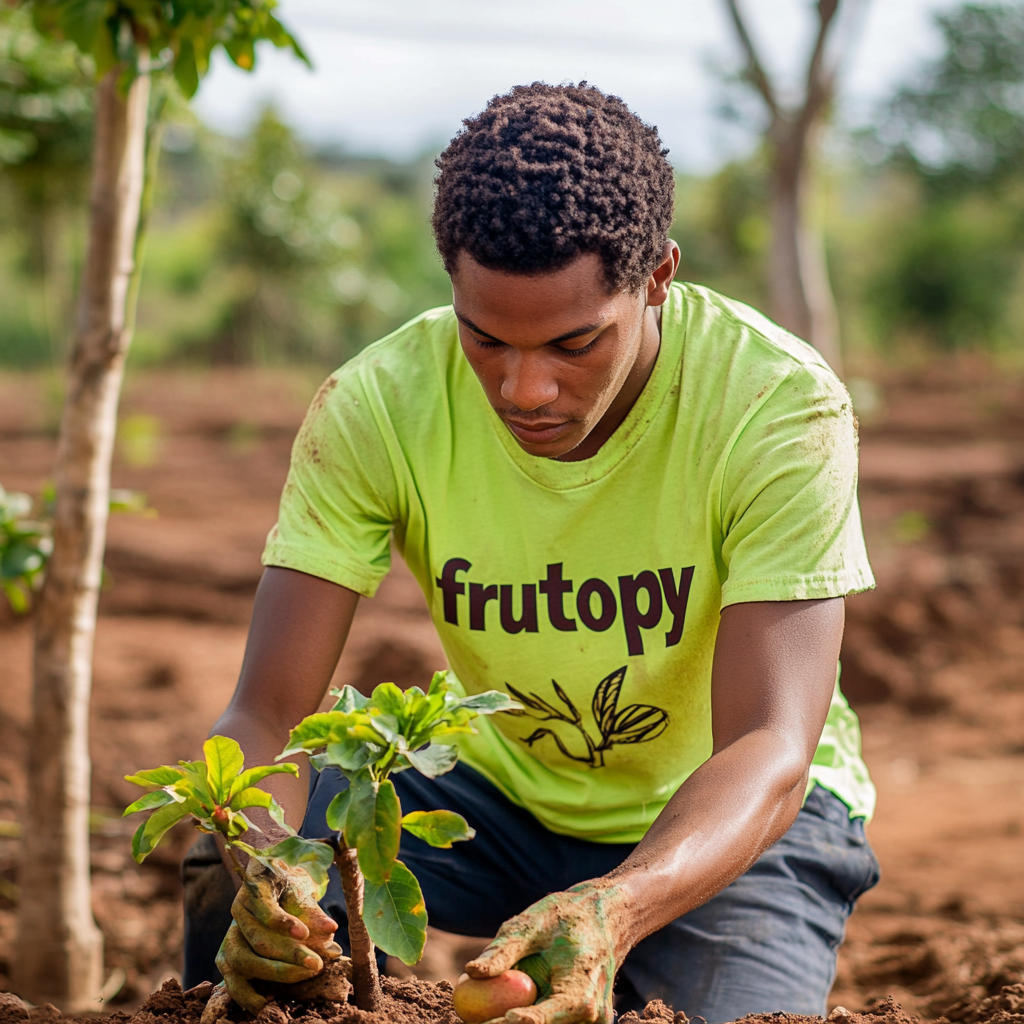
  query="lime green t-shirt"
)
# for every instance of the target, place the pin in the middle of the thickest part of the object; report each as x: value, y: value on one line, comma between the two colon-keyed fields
x: 592, y: 590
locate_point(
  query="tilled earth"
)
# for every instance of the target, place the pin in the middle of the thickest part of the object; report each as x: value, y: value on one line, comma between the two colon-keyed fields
x: 932, y: 661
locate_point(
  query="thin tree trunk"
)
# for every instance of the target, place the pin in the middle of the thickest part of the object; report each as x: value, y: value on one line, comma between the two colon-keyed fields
x: 799, y: 291
x: 365, y: 980
x: 785, y: 280
x: 59, y: 949
x: 799, y: 288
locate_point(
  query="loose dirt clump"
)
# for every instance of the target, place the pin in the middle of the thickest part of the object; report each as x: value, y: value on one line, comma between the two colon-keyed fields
x: 405, y: 1002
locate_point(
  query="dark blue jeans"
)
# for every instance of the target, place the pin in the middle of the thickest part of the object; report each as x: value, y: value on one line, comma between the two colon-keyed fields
x: 767, y: 942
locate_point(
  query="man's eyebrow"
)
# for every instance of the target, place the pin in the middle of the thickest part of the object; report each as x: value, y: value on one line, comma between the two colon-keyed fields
x: 577, y: 332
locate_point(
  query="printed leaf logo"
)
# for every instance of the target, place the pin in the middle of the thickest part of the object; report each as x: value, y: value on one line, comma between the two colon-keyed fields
x: 635, y: 723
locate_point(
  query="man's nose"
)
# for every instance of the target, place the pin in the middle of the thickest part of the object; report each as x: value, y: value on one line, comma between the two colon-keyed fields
x: 527, y: 385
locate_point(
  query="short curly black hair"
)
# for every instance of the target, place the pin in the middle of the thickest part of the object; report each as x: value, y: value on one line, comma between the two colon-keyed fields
x: 547, y: 173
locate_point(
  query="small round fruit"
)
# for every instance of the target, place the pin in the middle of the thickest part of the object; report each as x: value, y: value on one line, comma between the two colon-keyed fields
x: 476, y: 1000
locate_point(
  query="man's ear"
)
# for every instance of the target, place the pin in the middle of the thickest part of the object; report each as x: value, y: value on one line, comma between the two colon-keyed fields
x: 659, y: 281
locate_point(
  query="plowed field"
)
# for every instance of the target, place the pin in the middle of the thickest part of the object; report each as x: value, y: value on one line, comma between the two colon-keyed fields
x: 933, y: 661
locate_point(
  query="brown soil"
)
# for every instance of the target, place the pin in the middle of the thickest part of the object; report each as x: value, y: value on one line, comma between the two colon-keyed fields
x: 932, y: 661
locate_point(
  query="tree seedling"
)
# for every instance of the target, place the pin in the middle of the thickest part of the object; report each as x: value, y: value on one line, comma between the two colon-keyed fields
x: 217, y: 792
x: 367, y: 740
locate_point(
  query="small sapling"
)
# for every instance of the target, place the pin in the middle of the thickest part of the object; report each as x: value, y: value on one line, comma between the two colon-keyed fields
x: 367, y: 740
x: 217, y: 792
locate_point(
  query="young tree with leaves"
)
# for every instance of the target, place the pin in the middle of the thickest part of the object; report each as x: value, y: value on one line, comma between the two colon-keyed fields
x: 59, y: 946
x: 368, y: 739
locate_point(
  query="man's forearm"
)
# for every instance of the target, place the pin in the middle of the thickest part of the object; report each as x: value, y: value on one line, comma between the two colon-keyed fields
x: 771, y: 685
x: 299, y: 626
x: 715, y: 826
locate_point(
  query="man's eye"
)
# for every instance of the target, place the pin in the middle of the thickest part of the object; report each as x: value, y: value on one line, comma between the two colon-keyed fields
x: 579, y: 351
x: 488, y: 344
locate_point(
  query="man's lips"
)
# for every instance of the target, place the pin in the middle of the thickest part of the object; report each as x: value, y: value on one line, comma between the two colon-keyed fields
x: 538, y: 431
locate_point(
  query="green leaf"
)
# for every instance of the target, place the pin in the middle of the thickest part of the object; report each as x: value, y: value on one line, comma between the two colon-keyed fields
x: 489, y: 702
x: 251, y: 776
x: 318, y: 730
x: 253, y: 797
x: 313, y: 857
x: 395, y: 916
x: 389, y: 700
x: 224, y: 763
x: 439, y: 684
x: 17, y: 597
x: 186, y: 73
x: 352, y: 755
x: 385, y: 725
x: 434, y: 760
x: 349, y: 699
x: 21, y: 559
x: 337, y: 811
x: 438, y: 828
x: 166, y: 775
x: 241, y: 51
x: 158, y: 798
x: 153, y: 829
x: 373, y: 827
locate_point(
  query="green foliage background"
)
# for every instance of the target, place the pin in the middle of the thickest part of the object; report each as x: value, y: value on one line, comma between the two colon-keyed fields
x: 264, y: 251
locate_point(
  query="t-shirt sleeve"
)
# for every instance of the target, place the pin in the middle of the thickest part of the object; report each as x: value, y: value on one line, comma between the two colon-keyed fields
x: 791, y: 527
x: 339, y: 502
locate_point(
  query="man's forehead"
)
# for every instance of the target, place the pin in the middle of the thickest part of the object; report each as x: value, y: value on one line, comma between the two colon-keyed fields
x: 546, y: 305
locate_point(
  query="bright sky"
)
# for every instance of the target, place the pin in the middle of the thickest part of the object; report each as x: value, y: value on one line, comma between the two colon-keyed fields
x: 396, y: 77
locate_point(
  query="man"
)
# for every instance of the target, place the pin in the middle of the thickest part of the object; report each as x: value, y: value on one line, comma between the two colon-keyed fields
x: 631, y: 503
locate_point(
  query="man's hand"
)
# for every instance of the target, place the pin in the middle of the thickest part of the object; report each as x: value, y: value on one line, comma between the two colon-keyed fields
x: 579, y: 937
x: 279, y: 934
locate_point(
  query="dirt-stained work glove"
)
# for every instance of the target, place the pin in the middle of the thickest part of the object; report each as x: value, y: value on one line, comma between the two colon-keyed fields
x: 279, y: 934
x: 577, y: 935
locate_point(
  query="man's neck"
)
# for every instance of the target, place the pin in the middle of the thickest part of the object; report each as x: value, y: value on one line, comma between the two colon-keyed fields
x: 628, y: 394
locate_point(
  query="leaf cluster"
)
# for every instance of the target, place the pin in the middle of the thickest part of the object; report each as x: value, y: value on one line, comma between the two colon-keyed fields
x: 368, y: 739
x: 217, y: 792
x: 962, y: 123
x: 177, y: 34
x: 26, y: 538
x: 25, y: 547
x: 45, y: 109
x: 393, y: 730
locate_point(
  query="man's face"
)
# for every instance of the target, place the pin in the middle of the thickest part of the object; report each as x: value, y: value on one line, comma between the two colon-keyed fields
x: 553, y: 351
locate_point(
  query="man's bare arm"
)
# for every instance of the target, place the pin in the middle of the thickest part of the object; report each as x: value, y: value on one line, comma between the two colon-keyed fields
x: 299, y: 627
x: 772, y: 682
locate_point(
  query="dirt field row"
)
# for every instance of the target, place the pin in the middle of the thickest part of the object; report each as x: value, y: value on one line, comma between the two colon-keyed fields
x: 932, y: 659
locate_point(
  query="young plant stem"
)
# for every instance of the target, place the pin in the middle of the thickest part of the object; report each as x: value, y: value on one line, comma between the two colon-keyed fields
x: 239, y: 870
x: 365, y: 980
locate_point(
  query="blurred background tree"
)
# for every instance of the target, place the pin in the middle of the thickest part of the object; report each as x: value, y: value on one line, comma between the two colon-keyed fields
x: 953, y: 265
x: 265, y: 249
x: 45, y: 143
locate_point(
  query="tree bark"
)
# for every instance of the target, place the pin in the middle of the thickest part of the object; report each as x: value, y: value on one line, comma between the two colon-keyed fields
x: 365, y: 979
x: 800, y: 294
x: 799, y: 289
x: 60, y: 950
